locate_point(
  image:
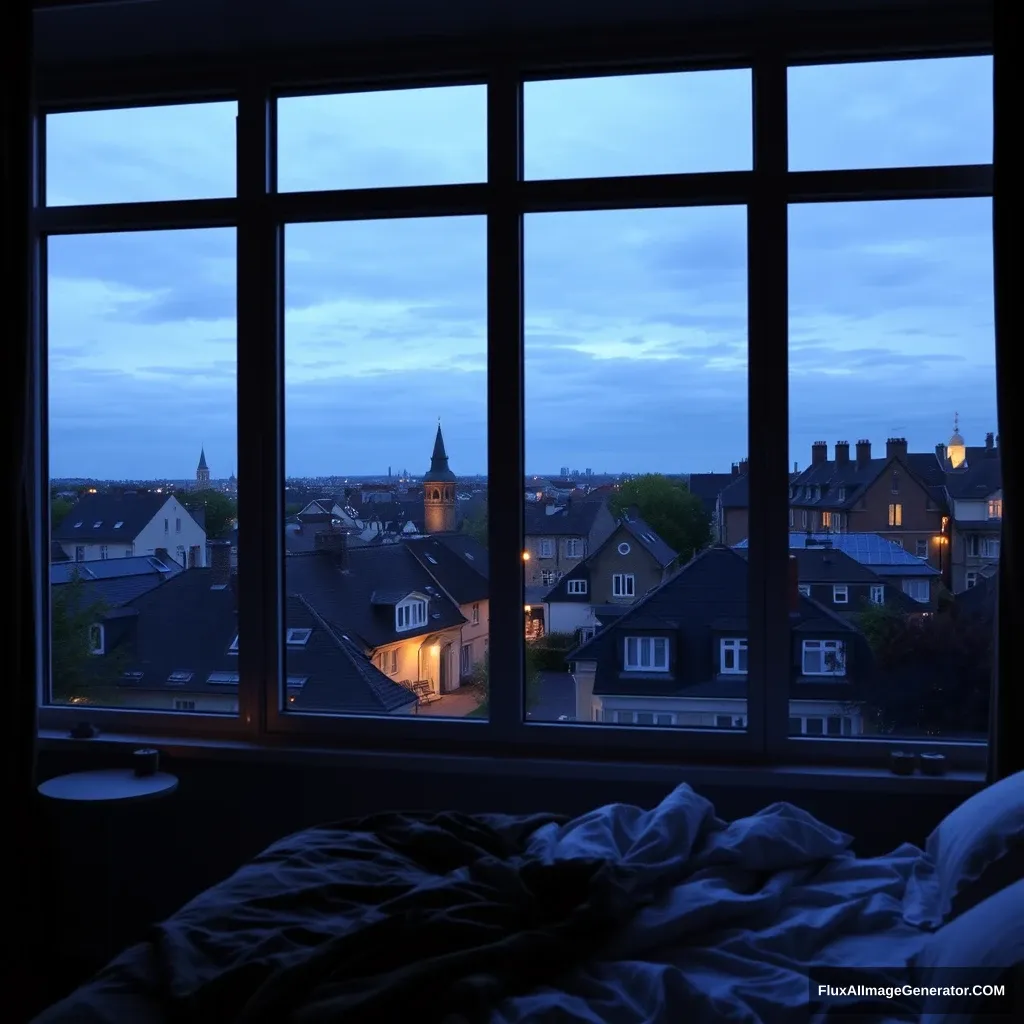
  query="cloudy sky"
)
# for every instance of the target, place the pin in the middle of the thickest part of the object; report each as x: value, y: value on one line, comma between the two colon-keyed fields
x: 636, y: 320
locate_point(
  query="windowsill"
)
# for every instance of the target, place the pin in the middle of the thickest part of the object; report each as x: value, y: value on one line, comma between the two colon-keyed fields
x: 780, y: 776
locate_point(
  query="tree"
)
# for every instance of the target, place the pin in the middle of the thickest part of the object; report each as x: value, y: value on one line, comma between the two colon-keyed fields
x: 669, y: 508
x: 481, y: 678
x: 476, y: 526
x: 77, y: 674
x: 59, y: 509
x: 219, y: 510
x: 933, y: 673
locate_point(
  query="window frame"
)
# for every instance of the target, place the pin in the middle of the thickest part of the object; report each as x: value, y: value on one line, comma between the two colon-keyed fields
x: 623, y: 584
x: 259, y: 215
x: 641, y: 642
x: 735, y: 646
x: 838, y: 647
x: 578, y: 588
x: 840, y: 590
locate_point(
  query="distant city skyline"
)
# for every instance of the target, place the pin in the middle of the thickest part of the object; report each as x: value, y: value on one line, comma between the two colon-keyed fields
x: 636, y: 320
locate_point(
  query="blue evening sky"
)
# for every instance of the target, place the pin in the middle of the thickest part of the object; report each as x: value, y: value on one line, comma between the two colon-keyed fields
x: 636, y: 320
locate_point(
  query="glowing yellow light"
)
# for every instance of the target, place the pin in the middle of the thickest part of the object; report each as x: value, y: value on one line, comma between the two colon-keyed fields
x: 435, y: 648
x: 527, y: 608
x: 526, y: 556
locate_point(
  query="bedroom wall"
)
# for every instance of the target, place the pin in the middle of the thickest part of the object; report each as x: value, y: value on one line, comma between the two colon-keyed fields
x: 223, y: 813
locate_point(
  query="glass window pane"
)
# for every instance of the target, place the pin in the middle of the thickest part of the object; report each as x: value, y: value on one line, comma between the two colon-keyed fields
x: 638, y: 124
x: 141, y: 154
x: 377, y: 139
x: 892, y: 378
x: 636, y: 374
x: 386, y: 467
x: 142, y: 446
x: 908, y: 113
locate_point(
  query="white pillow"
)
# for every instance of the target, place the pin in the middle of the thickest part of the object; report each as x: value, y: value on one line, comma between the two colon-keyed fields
x: 964, y: 852
x: 983, y: 946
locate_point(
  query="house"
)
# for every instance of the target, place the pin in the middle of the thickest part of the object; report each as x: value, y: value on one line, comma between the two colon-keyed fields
x: 176, y: 648
x: 559, y: 535
x: 385, y: 601
x: 122, y: 525
x: 706, y: 487
x: 845, y: 586
x: 458, y: 565
x: 679, y: 657
x: 631, y: 561
x: 731, y: 519
x: 890, y: 562
x: 974, y: 496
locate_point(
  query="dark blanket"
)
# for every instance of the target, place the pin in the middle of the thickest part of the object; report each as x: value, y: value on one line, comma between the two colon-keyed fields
x: 395, y: 917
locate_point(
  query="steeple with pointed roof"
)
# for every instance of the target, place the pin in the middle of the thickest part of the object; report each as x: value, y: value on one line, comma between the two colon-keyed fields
x: 956, y: 450
x: 439, y: 490
x: 202, y: 470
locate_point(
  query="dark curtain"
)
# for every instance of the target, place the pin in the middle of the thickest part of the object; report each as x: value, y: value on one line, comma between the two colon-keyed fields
x: 1006, y: 754
x: 19, y: 692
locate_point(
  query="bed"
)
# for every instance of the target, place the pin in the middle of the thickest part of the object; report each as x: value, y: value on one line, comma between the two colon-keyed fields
x: 621, y: 916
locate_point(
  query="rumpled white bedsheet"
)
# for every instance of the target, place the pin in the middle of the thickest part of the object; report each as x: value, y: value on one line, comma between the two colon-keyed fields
x: 743, y: 910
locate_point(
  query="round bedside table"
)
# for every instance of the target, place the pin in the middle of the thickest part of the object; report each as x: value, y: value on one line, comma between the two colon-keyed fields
x: 119, y: 785
x: 103, y: 815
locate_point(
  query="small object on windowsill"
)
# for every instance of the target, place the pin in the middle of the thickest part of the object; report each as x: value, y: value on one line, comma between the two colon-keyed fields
x: 146, y: 762
x: 902, y: 763
x: 933, y: 764
x: 84, y: 731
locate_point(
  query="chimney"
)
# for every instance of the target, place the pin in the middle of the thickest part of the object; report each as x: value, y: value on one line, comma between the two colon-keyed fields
x: 796, y: 467
x: 863, y: 452
x: 842, y: 453
x: 819, y: 453
x: 335, y: 543
x: 990, y: 440
x: 220, y: 561
x: 794, y: 586
x: 940, y: 452
x: 743, y: 467
x: 896, y: 446
x: 735, y: 469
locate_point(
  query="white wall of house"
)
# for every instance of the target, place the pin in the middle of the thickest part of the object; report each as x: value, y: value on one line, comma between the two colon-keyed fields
x: 173, y: 528
x: 474, y: 635
x: 410, y: 661
x: 692, y: 712
x: 568, y: 616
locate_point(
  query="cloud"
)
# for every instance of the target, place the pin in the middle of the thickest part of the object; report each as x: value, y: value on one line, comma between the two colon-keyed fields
x: 636, y: 347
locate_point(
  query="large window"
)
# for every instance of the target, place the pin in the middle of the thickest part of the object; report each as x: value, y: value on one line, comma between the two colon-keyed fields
x: 716, y: 341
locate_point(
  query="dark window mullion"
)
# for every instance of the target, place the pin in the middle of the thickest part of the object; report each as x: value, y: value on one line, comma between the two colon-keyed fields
x: 768, y: 332
x: 505, y: 405
x: 260, y: 414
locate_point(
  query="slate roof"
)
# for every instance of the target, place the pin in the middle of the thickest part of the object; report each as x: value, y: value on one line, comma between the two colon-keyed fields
x: 650, y: 541
x: 344, y: 598
x: 188, y: 626
x: 457, y: 563
x: 439, y: 471
x: 980, y: 600
x: 736, y: 494
x: 982, y: 477
x: 707, y: 487
x: 115, y: 581
x: 708, y: 596
x: 94, y: 517
x: 572, y: 519
x: 202, y: 459
x: 881, y: 555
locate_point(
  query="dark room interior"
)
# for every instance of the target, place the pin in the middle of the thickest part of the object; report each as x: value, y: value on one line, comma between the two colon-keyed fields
x: 526, y: 829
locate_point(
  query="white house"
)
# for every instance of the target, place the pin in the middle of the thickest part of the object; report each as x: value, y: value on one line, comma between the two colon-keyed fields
x: 122, y: 525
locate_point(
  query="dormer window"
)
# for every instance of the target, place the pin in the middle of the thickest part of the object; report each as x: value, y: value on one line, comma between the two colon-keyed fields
x: 646, y: 654
x: 841, y: 496
x: 96, y: 639
x: 298, y: 637
x: 824, y: 658
x: 410, y: 613
x: 733, y: 656
x: 577, y: 586
x: 995, y: 508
